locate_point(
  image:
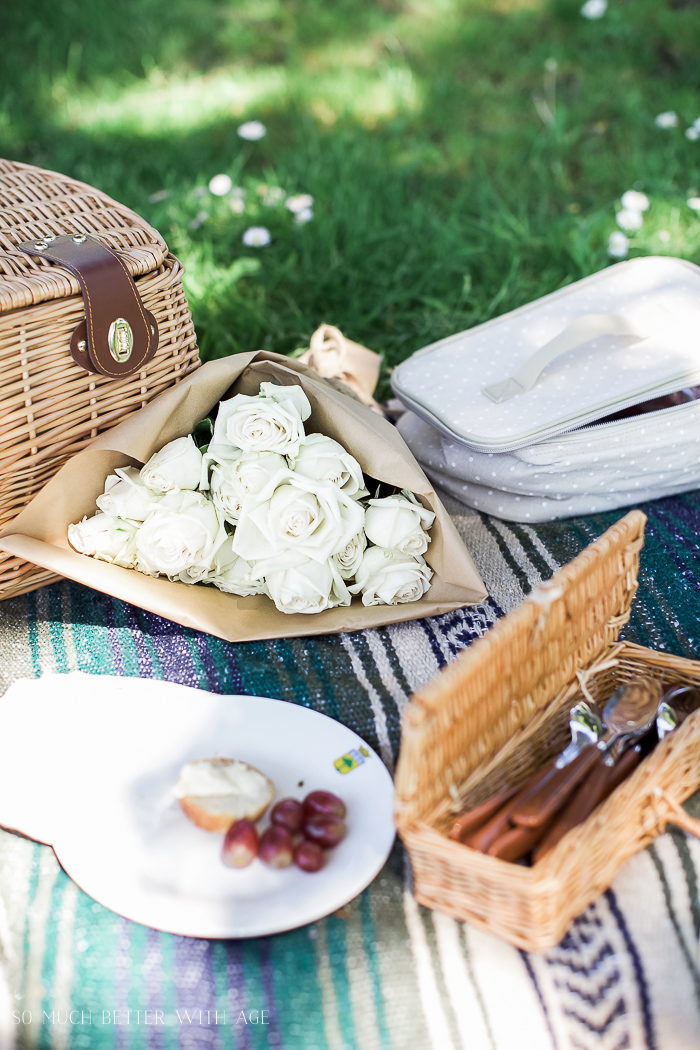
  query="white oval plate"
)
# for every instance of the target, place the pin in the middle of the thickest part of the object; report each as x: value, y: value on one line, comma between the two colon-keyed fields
x: 87, y: 765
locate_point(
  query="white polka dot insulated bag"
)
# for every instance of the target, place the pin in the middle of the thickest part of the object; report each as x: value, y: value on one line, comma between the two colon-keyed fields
x: 585, y: 400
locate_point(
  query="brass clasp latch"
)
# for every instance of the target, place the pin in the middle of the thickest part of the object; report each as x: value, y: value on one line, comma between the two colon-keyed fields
x: 120, y: 339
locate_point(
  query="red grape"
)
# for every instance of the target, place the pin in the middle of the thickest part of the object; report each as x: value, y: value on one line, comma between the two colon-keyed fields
x: 276, y: 847
x: 309, y: 857
x: 240, y: 844
x: 324, y: 802
x: 288, y: 813
x: 324, y: 829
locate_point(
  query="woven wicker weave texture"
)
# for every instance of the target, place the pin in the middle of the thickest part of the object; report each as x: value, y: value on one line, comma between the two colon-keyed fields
x: 49, y: 407
x: 500, y: 711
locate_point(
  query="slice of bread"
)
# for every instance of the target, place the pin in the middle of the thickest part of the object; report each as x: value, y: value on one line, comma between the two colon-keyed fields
x: 214, y: 792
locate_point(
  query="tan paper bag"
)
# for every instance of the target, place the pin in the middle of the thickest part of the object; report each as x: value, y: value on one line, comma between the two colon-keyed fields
x: 39, y: 533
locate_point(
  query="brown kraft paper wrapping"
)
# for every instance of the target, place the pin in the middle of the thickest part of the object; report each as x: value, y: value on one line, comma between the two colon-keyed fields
x: 40, y: 532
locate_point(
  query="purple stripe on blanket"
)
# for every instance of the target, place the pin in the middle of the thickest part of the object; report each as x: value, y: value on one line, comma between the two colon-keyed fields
x: 172, y: 650
x: 195, y: 1001
x: 236, y: 992
x: 152, y: 975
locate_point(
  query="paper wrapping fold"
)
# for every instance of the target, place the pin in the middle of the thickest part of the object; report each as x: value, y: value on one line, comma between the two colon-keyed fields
x: 39, y: 533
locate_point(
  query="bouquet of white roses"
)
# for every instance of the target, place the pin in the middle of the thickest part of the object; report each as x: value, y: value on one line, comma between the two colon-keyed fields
x: 265, y: 509
x: 276, y: 506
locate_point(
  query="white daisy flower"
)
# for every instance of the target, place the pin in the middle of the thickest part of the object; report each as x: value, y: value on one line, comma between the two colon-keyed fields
x: 664, y: 236
x: 635, y: 200
x: 299, y: 202
x: 303, y: 216
x: 220, y: 185
x: 692, y: 133
x: 256, y: 236
x: 629, y: 219
x: 236, y: 205
x: 593, y: 9
x: 252, y: 130
x: 199, y: 218
x: 618, y: 245
x: 273, y: 196
x: 694, y: 203
x: 669, y: 119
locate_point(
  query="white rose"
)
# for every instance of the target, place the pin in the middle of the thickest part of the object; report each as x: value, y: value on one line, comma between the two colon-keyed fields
x: 399, y: 523
x: 181, y: 533
x: 105, y: 537
x: 307, y: 588
x: 177, y: 466
x: 323, y: 458
x: 313, y: 518
x: 252, y: 471
x: 234, y: 575
x: 225, y: 496
x: 387, y: 577
x: 349, y: 559
x: 273, y: 421
x: 126, y: 496
x: 247, y: 474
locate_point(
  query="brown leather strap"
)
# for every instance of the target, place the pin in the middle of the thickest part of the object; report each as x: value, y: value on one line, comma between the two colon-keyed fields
x: 118, y: 336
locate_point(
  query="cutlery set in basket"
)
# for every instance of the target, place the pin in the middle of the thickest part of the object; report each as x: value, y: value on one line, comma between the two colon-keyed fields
x: 495, y: 718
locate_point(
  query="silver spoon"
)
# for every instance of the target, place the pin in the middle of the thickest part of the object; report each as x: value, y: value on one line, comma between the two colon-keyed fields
x: 628, y: 714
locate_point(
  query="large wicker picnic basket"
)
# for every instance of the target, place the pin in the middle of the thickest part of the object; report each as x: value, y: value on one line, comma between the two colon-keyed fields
x: 500, y: 711
x: 53, y: 398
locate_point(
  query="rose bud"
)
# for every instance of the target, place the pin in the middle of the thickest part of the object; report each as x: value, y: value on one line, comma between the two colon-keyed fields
x: 288, y: 813
x: 240, y: 844
x: 309, y: 857
x: 324, y: 802
x: 324, y: 829
x: 276, y: 847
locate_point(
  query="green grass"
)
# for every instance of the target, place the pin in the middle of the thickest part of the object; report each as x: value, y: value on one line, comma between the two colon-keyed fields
x: 446, y: 192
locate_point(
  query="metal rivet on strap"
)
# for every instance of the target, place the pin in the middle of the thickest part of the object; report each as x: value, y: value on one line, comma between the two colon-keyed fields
x: 82, y: 346
x: 40, y: 245
x: 79, y: 238
x: 153, y: 330
x: 50, y: 237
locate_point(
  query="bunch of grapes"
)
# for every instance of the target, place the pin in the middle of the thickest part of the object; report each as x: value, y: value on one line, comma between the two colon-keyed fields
x: 299, y: 833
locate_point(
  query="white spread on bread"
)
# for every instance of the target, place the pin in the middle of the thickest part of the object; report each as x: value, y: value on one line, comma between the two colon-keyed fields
x: 204, y: 778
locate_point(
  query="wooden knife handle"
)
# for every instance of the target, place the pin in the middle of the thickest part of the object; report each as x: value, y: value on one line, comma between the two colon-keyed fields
x: 482, y: 838
x: 473, y: 819
x: 601, y: 782
x: 552, y: 791
x: 516, y: 842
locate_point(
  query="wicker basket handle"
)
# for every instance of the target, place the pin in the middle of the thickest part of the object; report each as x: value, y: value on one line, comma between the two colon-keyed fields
x: 119, y: 336
x: 667, y: 811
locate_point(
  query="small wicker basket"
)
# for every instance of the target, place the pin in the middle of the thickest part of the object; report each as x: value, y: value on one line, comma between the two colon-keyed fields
x: 500, y: 711
x: 51, y: 408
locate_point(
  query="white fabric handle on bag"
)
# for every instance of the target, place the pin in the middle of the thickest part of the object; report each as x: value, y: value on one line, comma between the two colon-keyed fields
x: 578, y: 332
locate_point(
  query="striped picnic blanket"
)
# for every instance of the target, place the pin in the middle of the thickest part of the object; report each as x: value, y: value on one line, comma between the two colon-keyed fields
x: 382, y: 972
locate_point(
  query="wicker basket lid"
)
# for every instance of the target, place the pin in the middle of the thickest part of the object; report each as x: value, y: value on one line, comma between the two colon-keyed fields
x: 34, y: 203
x: 504, y: 679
